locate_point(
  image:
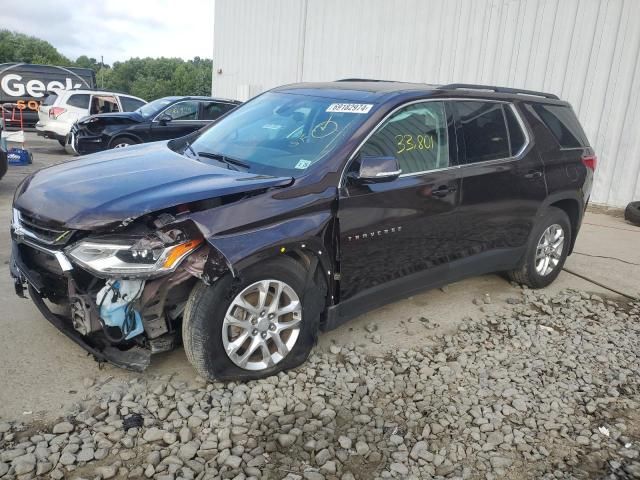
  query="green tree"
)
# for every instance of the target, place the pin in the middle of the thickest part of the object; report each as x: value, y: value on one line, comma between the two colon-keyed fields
x: 147, y: 78
x: 152, y: 78
x: 86, y: 62
x: 17, y: 47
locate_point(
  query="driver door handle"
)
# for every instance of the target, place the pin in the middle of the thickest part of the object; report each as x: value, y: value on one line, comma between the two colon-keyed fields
x: 443, y: 191
x: 531, y: 174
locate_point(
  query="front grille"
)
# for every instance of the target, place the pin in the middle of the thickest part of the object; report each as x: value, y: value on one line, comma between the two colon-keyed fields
x: 43, y: 233
x: 40, y: 261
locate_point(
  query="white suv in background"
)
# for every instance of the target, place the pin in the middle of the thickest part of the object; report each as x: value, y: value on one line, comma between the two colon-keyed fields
x: 62, y: 108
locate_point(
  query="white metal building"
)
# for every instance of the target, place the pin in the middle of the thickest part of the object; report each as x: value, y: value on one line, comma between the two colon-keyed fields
x: 585, y: 51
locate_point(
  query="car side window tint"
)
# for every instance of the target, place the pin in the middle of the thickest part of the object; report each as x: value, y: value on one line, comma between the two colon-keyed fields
x: 416, y: 135
x: 130, y: 104
x: 213, y: 110
x: 183, y: 111
x: 563, y: 124
x: 484, y: 131
x: 516, y: 135
x: 79, y: 100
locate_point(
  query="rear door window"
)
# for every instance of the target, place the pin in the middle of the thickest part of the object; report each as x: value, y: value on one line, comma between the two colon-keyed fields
x: 213, y: 110
x: 484, y: 131
x: 79, y: 100
x: 416, y: 135
x: 563, y: 124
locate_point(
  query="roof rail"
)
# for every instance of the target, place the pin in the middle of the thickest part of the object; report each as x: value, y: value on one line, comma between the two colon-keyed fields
x: 518, y: 91
x: 361, y: 80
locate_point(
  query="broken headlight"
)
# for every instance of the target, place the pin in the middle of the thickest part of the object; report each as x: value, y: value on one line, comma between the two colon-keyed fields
x: 104, y: 257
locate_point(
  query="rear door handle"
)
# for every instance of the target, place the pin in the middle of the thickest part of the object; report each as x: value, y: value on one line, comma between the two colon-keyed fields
x: 443, y: 191
x: 531, y: 174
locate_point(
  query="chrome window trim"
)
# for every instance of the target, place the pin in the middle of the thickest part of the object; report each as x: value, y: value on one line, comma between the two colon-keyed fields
x: 523, y: 127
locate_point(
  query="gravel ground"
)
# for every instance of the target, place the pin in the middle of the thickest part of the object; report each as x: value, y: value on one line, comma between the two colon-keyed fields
x: 536, y: 388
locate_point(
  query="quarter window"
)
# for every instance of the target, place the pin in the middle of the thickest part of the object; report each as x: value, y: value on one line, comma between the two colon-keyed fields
x: 79, y: 100
x: 563, y: 124
x: 416, y: 135
x: 50, y: 98
x: 183, y: 111
x: 484, y: 131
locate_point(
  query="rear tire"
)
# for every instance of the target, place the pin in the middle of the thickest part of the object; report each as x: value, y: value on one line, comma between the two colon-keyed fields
x: 542, y: 262
x: 207, y: 335
x: 632, y: 213
x: 62, y: 142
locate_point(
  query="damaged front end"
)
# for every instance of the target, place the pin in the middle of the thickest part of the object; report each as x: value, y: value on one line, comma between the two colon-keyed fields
x: 119, y: 294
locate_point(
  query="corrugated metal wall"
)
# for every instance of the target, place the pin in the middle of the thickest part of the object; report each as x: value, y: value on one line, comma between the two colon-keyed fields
x: 586, y: 51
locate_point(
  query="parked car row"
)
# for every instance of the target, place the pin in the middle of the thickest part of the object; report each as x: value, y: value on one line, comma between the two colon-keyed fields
x: 162, y: 119
x: 89, y: 121
x: 62, y: 108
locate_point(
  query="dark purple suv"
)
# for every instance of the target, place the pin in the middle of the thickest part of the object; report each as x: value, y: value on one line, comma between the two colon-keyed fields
x: 298, y: 210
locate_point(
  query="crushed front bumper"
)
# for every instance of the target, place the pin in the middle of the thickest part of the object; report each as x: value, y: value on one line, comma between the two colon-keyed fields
x: 83, y: 144
x: 135, y: 358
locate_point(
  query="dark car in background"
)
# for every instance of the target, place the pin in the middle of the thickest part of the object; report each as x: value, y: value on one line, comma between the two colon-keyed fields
x: 304, y: 207
x: 162, y: 119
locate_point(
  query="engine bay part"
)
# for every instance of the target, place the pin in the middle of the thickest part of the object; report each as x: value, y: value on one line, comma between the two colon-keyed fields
x: 121, y: 321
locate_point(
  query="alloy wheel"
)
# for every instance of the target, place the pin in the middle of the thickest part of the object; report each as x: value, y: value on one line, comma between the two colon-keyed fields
x: 549, y: 250
x: 121, y: 145
x: 262, y: 325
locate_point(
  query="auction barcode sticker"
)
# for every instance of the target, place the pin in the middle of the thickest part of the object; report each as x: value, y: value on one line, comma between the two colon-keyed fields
x: 350, y: 107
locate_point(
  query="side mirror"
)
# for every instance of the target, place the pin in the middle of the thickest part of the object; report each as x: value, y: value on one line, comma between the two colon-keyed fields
x: 164, y: 119
x: 378, y: 169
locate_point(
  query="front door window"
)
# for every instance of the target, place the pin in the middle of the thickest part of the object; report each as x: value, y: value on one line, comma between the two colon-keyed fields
x: 416, y: 135
x: 182, y: 111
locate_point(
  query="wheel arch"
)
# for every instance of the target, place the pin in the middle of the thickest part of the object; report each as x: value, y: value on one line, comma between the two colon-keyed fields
x: 128, y: 135
x: 305, y: 239
x: 573, y: 205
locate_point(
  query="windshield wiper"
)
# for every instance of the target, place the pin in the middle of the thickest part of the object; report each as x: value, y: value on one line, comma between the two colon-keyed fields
x: 224, y: 159
x: 190, y: 148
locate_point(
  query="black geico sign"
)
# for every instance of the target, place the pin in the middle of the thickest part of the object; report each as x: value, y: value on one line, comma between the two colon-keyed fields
x: 26, y: 84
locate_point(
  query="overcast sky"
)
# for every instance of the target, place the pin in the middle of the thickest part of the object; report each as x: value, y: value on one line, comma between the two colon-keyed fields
x: 117, y: 29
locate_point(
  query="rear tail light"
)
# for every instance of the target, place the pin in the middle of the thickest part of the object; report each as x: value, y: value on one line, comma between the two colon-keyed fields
x: 590, y: 161
x: 55, y: 112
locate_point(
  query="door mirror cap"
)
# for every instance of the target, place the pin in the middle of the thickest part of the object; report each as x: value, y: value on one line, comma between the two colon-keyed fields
x: 378, y: 169
x: 164, y: 119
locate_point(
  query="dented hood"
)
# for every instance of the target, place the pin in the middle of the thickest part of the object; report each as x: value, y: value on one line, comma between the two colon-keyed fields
x: 118, y: 185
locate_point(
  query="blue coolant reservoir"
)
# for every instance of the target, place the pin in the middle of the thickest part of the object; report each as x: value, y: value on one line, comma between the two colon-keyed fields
x: 116, y: 302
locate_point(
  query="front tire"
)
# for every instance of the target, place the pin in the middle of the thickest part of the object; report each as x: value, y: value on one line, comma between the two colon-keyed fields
x: 547, y: 250
x: 122, y: 142
x: 255, y: 326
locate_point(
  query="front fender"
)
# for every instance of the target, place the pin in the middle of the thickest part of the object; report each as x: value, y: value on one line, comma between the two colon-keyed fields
x: 306, y: 233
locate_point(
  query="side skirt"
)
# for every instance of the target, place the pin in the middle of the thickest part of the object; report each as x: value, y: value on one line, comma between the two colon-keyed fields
x: 401, y: 288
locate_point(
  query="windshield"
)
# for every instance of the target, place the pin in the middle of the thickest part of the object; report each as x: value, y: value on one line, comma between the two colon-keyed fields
x: 152, y: 108
x: 280, y: 134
